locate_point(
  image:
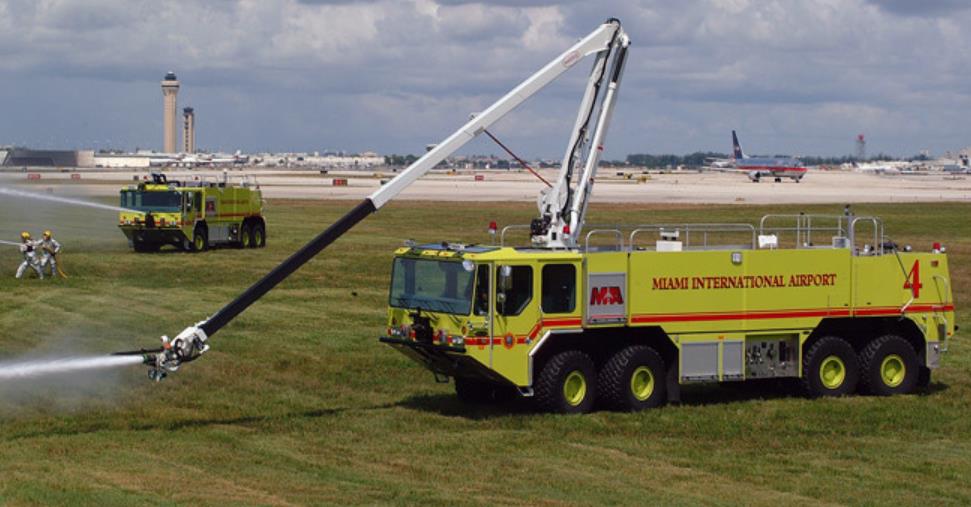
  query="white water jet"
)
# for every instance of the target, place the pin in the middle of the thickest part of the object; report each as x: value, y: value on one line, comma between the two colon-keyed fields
x: 11, y: 243
x: 30, y: 369
x: 62, y: 200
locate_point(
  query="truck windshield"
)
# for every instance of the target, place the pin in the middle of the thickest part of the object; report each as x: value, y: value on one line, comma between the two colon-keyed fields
x: 432, y: 285
x: 151, y: 201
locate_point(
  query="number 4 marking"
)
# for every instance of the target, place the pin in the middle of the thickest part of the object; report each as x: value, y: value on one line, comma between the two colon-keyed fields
x: 913, y: 280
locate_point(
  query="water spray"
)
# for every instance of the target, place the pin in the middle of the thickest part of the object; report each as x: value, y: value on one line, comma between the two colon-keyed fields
x: 10, y: 243
x: 62, y: 200
x: 30, y: 369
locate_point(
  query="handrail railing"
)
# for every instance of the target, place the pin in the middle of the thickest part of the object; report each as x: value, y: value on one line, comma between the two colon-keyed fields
x: 703, y: 229
x: 878, y: 242
x: 616, y: 232
x: 840, y: 226
x: 805, y: 226
x: 502, y: 233
x: 699, y: 235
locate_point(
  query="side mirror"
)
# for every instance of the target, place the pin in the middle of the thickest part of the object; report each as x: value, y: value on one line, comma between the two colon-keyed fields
x: 505, y: 278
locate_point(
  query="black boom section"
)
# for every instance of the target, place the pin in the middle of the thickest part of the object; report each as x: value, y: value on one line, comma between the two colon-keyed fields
x: 287, y: 267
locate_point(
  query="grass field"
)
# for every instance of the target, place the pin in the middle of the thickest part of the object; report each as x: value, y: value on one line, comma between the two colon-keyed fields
x: 297, y: 403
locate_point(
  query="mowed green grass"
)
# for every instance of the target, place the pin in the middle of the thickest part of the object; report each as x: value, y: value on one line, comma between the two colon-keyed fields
x: 297, y: 403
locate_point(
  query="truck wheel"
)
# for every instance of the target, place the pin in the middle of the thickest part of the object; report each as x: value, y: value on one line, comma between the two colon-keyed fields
x: 200, y: 240
x: 259, y: 236
x: 633, y: 379
x: 830, y: 368
x: 566, y: 384
x: 476, y: 391
x: 246, y: 236
x: 889, y: 366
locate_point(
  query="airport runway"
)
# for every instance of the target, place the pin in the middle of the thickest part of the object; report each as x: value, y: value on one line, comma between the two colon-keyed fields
x: 675, y: 187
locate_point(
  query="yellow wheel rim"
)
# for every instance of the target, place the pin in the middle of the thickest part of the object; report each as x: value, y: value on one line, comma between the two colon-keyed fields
x: 200, y: 242
x: 642, y: 383
x: 575, y: 388
x: 832, y: 372
x: 257, y: 237
x: 892, y: 370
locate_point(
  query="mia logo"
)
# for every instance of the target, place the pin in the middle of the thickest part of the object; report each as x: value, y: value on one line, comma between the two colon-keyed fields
x: 606, y: 296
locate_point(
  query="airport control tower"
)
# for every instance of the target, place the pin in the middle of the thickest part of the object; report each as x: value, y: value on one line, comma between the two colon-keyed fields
x: 170, y: 89
x: 188, y: 130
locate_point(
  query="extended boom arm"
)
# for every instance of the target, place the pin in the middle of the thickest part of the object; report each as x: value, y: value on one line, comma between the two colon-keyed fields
x: 191, y: 342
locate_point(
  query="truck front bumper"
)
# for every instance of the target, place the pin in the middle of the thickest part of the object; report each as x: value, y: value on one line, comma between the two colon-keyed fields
x: 165, y: 235
x: 443, y: 359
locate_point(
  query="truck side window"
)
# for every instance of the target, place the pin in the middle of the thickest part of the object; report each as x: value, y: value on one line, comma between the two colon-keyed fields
x: 482, y: 290
x: 559, y: 288
x: 519, y: 293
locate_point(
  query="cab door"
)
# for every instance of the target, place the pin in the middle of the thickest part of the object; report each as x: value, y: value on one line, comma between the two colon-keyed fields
x: 516, y: 313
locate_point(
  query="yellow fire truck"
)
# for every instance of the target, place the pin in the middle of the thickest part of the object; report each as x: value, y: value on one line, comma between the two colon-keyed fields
x: 623, y: 316
x: 572, y: 321
x: 192, y: 215
x: 626, y: 323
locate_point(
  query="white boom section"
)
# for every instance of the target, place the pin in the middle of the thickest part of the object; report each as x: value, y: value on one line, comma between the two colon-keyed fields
x: 598, y: 41
x: 585, y: 186
x: 563, y: 208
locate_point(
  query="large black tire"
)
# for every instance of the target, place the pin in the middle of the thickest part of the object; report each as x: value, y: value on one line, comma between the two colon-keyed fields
x: 634, y: 378
x: 830, y: 368
x: 566, y: 384
x: 258, y: 239
x: 475, y: 391
x: 200, y: 240
x: 889, y: 366
x: 246, y: 235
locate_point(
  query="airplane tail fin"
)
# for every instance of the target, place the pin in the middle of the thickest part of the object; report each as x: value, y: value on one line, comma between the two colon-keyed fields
x: 737, y: 148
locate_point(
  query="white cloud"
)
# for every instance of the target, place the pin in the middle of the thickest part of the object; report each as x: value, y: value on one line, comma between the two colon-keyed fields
x: 387, y: 75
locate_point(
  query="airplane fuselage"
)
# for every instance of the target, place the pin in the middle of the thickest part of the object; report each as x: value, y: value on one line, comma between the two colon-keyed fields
x: 777, y: 168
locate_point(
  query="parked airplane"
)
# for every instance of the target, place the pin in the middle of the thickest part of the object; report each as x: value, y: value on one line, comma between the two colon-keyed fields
x: 759, y: 167
x: 198, y: 160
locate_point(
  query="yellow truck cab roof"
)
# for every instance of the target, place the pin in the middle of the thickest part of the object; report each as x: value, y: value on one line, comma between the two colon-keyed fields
x: 483, y: 253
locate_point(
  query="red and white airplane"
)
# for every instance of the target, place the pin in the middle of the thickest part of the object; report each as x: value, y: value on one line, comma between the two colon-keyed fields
x: 765, y: 167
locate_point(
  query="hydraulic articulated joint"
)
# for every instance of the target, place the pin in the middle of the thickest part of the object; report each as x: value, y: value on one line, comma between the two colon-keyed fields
x: 187, y: 346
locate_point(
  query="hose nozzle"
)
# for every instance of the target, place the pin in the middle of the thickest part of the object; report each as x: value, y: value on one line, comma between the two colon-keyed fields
x: 185, y: 347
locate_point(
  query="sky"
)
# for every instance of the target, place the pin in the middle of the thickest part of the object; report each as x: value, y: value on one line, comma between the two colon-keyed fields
x: 793, y: 77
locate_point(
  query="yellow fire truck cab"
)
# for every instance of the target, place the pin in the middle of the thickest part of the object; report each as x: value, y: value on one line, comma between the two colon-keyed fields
x: 624, y: 323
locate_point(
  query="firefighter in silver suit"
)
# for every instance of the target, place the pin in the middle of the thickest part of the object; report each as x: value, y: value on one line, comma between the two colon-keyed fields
x: 28, y: 249
x: 49, y: 248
